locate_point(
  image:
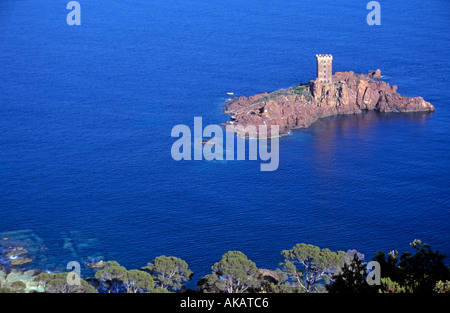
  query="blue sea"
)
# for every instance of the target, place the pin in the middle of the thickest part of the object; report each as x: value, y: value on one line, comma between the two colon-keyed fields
x: 86, y: 114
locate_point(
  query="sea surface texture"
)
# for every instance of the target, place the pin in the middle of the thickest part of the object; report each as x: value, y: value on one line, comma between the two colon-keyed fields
x: 86, y: 114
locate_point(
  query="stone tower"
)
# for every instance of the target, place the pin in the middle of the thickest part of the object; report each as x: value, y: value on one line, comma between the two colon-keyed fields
x: 324, y: 68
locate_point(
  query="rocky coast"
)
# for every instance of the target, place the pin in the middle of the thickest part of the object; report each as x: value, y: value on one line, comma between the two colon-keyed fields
x: 304, y: 104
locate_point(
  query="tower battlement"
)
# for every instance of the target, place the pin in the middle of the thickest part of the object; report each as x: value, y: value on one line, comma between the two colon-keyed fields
x: 324, y: 56
x: 324, y: 68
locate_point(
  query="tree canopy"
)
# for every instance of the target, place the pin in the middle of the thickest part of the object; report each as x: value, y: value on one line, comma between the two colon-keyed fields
x: 305, y: 268
x: 352, y: 278
x: 138, y: 281
x: 420, y: 271
x: 306, y: 265
x: 111, y: 276
x: 169, y: 272
x: 234, y: 273
x: 57, y: 283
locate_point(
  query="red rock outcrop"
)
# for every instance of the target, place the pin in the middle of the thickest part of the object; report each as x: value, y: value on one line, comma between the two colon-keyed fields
x: 302, y: 105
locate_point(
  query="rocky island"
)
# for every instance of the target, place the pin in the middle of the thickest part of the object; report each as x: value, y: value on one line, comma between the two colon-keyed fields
x: 327, y: 95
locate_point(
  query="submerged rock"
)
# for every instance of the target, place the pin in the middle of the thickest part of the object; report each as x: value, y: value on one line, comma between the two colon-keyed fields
x: 20, y: 261
x: 98, y: 264
x: 16, y: 251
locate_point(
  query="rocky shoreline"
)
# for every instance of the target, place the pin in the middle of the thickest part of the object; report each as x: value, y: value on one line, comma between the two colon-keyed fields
x: 302, y: 105
x: 16, y: 255
x: 12, y: 276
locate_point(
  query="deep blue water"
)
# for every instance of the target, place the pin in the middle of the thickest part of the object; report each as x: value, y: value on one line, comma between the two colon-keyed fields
x: 86, y: 114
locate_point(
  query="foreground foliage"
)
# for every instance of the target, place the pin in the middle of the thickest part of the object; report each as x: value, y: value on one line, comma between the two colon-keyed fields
x: 305, y: 268
x: 57, y: 283
x: 234, y: 273
x: 422, y: 271
x: 306, y: 265
x: 169, y: 272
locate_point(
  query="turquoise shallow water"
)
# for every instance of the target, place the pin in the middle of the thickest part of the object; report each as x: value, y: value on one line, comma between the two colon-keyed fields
x: 86, y: 114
